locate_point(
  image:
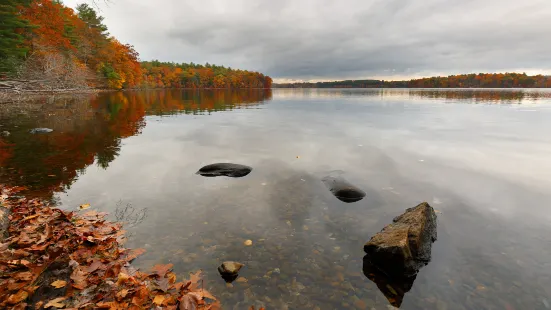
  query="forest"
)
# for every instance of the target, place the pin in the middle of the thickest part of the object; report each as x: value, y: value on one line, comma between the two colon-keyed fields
x: 480, y: 80
x: 45, y: 45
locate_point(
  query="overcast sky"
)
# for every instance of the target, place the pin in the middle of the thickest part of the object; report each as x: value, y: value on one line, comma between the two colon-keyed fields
x: 345, y: 39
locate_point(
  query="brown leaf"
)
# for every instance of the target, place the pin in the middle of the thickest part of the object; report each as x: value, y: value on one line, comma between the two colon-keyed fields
x: 24, y: 276
x: 134, y: 253
x: 96, y: 264
x: 79, y: 278
x: 161, y: 270
x: 58, y: 283
x: 56, y: 303
x: 190, y: 301
x: 18, y: 297
x: 207, y: 294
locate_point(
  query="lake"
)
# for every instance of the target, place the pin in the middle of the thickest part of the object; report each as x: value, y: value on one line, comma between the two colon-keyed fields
x: 481, y: 158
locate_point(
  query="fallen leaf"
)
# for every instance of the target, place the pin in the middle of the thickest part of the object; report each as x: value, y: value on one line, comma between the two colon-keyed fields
x: 84, y: 206
x: 123, y: 277
x: 30, y: 217
x: 207, y: 294
x: 159, y: 299
x: 56, y: 303
x: 122, y: 293
x: 18, y: 297
x: 134, y: 253
x: 58, y: 283
x: 171, y: 277
x: 24, y: 276
x: 161, y: 270
x: 79, y: 278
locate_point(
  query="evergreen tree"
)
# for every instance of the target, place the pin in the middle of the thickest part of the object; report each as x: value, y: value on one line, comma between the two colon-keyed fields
x: 11, y: 35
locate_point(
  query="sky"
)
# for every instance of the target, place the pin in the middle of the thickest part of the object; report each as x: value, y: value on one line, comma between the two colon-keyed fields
x: 322, y: 40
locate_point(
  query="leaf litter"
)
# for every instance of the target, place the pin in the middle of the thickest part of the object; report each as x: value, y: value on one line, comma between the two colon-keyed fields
x: 90, y: 249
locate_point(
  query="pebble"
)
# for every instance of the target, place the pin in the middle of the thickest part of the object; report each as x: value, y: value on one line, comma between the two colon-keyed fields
x: 248, y: 242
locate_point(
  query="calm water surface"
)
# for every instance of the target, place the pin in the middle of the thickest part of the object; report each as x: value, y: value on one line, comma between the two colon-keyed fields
x: 481, y: 158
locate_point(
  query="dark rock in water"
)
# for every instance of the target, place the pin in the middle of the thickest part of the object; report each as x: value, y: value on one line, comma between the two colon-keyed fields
x: 41, y: 130
x: 404, y: 247
x: 225, y: 169
x: 394, y: 288
x: 229, y: 271
x: 343, y: 190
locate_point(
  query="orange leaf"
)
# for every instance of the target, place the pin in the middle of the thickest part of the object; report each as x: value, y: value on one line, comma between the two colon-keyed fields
x: 159, y: 299
x: 58, y: 283
x: 18, y: 297
x: 56, y: 303
x: 84, y: 206
x: 161, y: 270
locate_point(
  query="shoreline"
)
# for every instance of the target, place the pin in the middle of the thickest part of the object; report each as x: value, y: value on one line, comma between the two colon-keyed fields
x: 48, y: 247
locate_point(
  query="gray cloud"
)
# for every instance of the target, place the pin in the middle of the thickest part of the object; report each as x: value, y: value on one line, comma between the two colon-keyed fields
x: 322, y: 39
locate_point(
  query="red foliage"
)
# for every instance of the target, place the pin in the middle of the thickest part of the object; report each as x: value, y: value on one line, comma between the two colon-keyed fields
x: 64, y: 259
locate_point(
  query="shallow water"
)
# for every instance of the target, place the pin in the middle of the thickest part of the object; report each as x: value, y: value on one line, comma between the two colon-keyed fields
x: 481, y: 158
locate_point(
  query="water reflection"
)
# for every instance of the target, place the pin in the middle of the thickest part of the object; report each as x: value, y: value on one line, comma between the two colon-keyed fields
x: 476, y: 95
x: 88, y: 129
x: 485, y: 167
x: 394, y: 288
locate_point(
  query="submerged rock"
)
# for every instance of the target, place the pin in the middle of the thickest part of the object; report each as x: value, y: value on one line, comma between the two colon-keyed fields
x: 343, y: 190
x: 41, y: 130
x: 225, y: 169
x: 404, y: 247
x: 229, y: 270
x: 5, y: 133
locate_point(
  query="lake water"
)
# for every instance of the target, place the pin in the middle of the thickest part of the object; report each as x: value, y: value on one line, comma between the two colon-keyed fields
x: 481, y: 158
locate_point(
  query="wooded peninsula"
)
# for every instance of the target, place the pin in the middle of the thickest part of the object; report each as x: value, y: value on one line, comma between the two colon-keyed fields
x: 480, y: 80
x: 46, y: 46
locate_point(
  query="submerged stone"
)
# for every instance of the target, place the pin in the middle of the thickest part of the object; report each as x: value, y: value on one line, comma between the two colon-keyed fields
x: 5, y: 133
x: 225, y: 169
x: 229, y: 270
x: 343, y: 190
x: 404, y: 246
x: 41, y: 130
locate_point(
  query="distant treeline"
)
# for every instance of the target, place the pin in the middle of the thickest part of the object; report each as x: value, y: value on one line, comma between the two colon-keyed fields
x: 173, y: 75
x: 481, y: 80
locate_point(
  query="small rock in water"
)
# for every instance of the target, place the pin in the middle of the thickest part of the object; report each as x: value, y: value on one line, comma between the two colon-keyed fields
x: 225, y: 169
x: 248, y: 242
x: 41, y: 130
x: 229, y: 270
x: 5, y: 133
x: 343, y: 190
